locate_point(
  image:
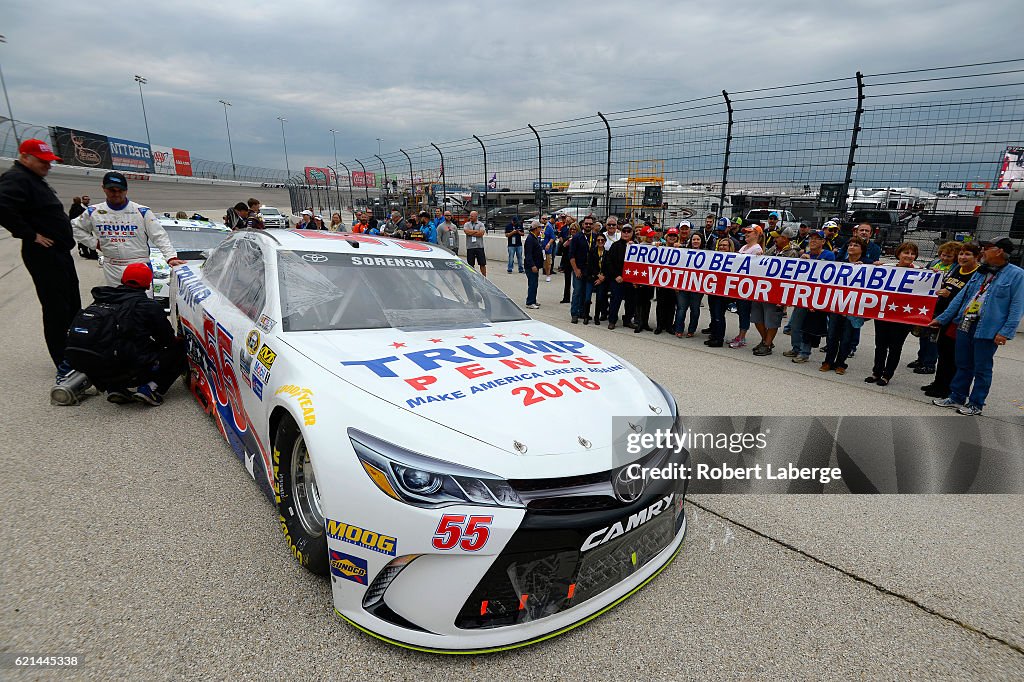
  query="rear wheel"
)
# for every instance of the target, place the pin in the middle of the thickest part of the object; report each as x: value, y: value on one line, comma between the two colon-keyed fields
x: 298, y: 499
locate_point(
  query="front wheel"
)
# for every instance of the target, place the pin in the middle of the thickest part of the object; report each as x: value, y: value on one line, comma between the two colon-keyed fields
x: 298, y: 499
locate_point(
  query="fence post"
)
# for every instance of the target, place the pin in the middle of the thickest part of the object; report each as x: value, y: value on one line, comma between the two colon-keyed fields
x: 444, y: 180
x: 386, y: 188
x: 607, y: 169
x: 540, y: 171
x: 487, y: 182
x: 725, y: 162
x: 351, y: 198
x: 412, y: 181
x: 366, y: 189
x: 853, y: 144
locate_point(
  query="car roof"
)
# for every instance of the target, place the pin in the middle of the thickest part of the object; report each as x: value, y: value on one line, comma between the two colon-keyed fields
x: 345, y: 242
x: 188, y: 222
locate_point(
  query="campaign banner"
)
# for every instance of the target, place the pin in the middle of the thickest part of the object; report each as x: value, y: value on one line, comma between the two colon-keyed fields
x: 81, y: 148
x: 880, y: 292
x: 182, y: 162
x: 318, y: 177
x: 364, y: 179
x: 1011, y: 171
x: 163, y: 160
x: 127, y: 155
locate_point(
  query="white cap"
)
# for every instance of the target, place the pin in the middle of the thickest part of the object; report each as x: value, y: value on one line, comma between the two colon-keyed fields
x: 306, y: 213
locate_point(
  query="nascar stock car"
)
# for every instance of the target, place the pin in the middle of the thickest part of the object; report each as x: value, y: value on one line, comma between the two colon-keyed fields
x: 448, y: 461
x: 191, y: 239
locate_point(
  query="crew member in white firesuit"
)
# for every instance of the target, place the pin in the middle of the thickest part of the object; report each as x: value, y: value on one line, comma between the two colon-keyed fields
x: 122, y: 230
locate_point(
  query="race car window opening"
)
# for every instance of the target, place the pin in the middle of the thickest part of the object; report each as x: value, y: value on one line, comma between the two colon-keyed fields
x: 194, y: 240
x: 327, y: 291
x: 236, y: 270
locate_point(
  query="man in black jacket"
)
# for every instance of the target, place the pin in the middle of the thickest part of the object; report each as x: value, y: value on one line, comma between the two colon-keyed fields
x: 150, y: 357
x: 613, y: 264
x: 32, y: 212
x: 534, y: 261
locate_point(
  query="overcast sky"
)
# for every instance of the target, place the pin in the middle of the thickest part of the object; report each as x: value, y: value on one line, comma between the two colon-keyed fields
x: 415, y: 72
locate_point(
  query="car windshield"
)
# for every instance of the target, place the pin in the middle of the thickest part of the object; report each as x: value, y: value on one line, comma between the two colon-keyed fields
x: 323, y: 291
x: 266, y: 210
x: 185, y: 238
x: 759, y: 215
x: 578, y: 202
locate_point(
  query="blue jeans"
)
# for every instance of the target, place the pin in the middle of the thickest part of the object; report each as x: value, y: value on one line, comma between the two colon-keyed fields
x: 796, y: 332
x: 743, y: 310
x: 531, y: 286
x: 515, y: 253
x: 928, y: 350
x: 687, y: 301
x: 579, y: 290
x: 974, y: 360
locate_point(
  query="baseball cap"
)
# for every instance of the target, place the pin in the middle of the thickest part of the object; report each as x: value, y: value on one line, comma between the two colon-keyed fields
x: 817, y: 233
x: 137, y: 275
x: 723, y: 223
x: 737, y: 220
x: 790, y: 232
x: 38, y: 149
x: 672, y: 230
x: 830, y: 225
x: 1005, y: 244
x: 754, y: 228
x: 306, y: 212
x: 684, y: 223
x: 773, y: 214
x: 115, y: 179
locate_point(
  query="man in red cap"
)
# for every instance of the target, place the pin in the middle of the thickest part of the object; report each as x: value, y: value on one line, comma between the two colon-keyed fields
x: 32, y: 212
x: 136, y: 359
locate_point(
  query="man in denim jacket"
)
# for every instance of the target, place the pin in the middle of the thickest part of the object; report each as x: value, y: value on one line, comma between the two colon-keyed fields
x: 987, y: 312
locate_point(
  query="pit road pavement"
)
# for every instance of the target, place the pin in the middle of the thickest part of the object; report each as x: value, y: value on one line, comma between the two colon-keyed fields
x: 136, y: 539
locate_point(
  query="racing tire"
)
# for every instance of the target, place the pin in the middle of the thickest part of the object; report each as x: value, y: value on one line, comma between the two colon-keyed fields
x: 297, y: 499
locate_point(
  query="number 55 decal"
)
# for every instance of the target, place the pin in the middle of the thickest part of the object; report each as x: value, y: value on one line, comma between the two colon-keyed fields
x: 454, y: 530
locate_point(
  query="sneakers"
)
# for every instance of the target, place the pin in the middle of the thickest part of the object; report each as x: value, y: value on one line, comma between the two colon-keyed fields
x: 147, y: 395
x: 575, y: 320
x: 714, y: 344
x: 949, y: 402
x: 532, y: 306
x: 970, y: 410
x: 547, y: 279
x: 706, y: 330
x: 825, y: 367
x: 800, y: 359
x: 852, y: 353
x: 913, y: 365
x: 790, y: 354
x: 762, y: 350
x: 924, y: 370
x: 737, y: 343
x: 64, y: 371
x: 120, y: 397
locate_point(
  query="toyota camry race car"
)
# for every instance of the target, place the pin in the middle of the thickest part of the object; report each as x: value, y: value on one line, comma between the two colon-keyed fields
x: 190, y: 239
x: 451, y: 464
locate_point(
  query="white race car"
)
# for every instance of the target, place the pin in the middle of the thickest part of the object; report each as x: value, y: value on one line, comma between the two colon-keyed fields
x: 190, y: 239
x: 445, y: 459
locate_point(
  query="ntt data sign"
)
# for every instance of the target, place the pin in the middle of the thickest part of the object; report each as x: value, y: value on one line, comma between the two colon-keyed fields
x: 127, y: 155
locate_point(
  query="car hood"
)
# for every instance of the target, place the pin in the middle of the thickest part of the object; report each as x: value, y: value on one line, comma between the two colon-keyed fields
x: 514, y: 395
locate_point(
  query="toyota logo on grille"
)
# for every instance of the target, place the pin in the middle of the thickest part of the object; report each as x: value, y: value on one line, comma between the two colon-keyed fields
x: 626, y: 488
x: 314, y: 257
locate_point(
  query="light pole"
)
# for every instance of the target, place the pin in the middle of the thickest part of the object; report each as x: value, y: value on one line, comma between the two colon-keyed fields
x: 378, y: 145
x: 337, y: 188
x: 10, y: 114
x: 287, y: 166
x: 234, y: 171
x: 142, y: 81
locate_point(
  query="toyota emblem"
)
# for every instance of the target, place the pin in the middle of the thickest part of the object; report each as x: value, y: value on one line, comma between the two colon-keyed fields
x: 314, y: 257
x: 626, y: 488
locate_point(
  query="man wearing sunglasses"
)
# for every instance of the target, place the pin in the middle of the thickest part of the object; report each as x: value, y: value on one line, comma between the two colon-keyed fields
x: 122, y: 230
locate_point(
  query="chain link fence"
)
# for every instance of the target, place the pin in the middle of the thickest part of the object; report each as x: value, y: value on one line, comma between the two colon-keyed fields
x: 916, y: 153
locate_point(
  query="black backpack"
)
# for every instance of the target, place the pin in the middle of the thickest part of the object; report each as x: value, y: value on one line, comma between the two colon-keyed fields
x: 100, y: 344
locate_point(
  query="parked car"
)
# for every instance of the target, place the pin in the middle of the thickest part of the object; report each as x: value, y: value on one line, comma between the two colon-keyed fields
x: 350, y: 375
x: 498, y: 217
x: 760, y: 216
x: 889, y: 231
x: 272, y: 217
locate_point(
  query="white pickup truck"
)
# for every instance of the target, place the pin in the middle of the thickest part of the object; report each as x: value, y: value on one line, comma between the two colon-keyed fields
x: 760, y: 216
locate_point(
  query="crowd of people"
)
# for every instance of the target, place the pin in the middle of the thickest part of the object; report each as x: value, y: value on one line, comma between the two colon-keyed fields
x: 980, y: 301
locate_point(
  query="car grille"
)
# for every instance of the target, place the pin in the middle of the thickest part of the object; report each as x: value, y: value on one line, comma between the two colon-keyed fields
x: 542, y: 571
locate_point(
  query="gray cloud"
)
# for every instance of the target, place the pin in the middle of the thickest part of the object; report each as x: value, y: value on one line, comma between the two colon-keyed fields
x: 412, y: 72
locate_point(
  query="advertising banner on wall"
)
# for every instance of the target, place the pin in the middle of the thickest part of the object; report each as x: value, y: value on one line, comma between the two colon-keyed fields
x: 182, y: 162
x: 364, y: 179
x: 879, y: 292
x: 163, y: 160
x: 81, y: 148
x: 319, y: 177
x: 1011, y: 171
x: 127, y: 155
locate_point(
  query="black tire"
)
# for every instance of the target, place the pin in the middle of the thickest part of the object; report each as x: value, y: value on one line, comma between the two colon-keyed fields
x: 307, y: 546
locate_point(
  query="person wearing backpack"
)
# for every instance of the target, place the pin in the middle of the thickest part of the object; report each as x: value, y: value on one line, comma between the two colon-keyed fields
x: 123, y: 342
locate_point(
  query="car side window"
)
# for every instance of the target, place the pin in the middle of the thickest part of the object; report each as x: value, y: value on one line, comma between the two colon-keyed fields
x: 244, y: 282
x: 218, y: 263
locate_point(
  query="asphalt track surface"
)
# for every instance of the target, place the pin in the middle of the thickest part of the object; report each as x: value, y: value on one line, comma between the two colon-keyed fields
x: 136, y: 539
